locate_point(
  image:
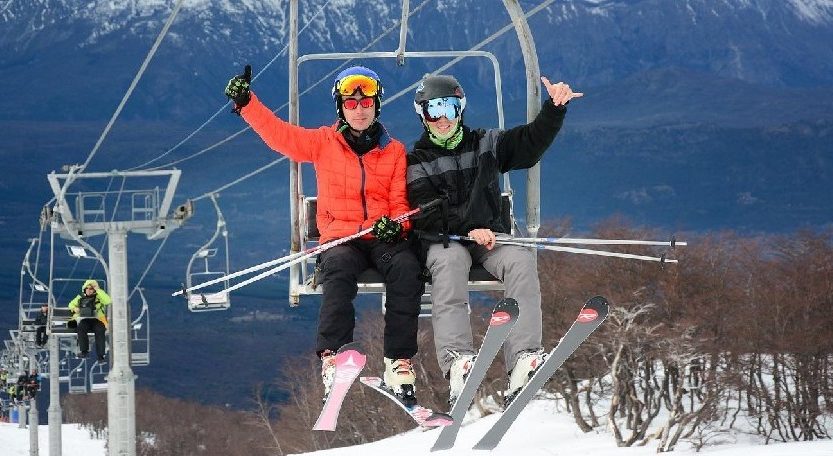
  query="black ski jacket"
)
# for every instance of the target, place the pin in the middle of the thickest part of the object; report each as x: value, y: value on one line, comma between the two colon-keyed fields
x: 469, y: 175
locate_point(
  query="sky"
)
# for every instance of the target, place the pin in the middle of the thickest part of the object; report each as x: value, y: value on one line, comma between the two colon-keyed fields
x: 541, y: 430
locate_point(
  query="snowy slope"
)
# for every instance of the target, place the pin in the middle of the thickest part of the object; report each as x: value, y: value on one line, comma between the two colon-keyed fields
x: 540, y: 431
x: 543, y: 431
x: 76, y: 441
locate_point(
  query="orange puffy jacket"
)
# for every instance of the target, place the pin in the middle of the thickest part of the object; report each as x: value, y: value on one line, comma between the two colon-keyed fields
x: 353, y: 191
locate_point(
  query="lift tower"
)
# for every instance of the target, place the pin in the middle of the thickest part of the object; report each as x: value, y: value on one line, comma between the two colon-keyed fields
x: 140, y: 207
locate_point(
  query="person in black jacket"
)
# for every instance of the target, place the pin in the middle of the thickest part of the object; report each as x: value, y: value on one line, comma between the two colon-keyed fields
x: 40, y: 326
x: 32, y: 384
x: 464, y: 165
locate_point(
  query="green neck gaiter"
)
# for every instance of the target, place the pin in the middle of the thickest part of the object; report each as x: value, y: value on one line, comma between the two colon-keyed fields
x: 447, y: 143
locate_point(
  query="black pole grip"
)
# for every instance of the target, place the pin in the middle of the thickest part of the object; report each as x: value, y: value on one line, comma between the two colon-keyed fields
x: 430, y: 205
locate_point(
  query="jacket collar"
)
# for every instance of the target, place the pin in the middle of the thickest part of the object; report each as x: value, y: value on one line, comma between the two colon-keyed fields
x: 424, y: 142
x: 384, y: 138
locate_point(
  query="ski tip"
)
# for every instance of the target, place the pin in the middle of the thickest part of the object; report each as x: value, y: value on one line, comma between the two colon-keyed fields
x: 505, y: 310
x: 355, y: 346
x: 599, y: 304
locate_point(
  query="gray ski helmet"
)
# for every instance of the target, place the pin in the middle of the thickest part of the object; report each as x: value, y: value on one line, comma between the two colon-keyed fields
x: 438, y: 86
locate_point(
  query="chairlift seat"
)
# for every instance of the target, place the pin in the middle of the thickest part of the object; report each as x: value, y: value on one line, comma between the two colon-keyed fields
x: 69, y: 327
x: 371, y: 280
x: 61, y: 313
x: 208, y: 301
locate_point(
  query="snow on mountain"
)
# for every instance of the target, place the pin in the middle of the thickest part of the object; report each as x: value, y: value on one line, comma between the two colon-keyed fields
x: 815, y: 11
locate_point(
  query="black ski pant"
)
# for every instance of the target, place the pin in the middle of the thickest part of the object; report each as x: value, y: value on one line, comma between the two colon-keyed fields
x: 96, y: 326
x: 40, y: 335
x: 341, y: 266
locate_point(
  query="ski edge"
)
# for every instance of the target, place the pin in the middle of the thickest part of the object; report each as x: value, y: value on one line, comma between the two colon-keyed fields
x: 429, y: 415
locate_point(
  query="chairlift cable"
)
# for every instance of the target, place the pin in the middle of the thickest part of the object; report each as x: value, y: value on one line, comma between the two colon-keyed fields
x: 329, y: 75
x: 238, y: 180
x: 133, y: 84
x: 205, y: 195
x: 147, y: 268
x: 221, y: 110
x: 304, y: 92
x: 476, y: 47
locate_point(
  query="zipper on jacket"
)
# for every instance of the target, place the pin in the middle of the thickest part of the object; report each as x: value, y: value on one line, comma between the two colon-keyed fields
x: 364, y: 199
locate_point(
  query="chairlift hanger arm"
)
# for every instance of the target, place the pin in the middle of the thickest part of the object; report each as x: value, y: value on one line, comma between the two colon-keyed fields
x: 220, y: 229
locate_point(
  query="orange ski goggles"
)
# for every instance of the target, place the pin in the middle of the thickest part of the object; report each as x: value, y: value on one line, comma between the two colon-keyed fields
x: 368, y: 86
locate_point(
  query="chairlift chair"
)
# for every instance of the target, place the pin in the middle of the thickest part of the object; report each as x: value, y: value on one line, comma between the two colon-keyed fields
x: 98, y: 376
x: 140, y: 335
x: 78, y: 381
x: 60, y: 318
x: 210, y: 298
x: 63, y: 370
x: 301, y: 278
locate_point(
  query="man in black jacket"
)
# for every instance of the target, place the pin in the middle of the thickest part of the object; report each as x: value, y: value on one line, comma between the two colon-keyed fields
x: 40, y: 326
x: 463, y: 165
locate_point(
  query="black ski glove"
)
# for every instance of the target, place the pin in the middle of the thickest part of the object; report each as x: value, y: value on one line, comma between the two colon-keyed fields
x: 387, y: 230
x: 238, y: 89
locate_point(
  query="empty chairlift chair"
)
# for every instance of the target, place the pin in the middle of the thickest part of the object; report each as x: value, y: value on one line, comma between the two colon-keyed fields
x: 140, y: 335
x: 212, y: 297
x: 78, y: 380
x: 98, y: 377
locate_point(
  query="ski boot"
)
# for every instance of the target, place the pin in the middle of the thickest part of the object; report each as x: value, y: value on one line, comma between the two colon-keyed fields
x: 399, y: 378
x: 457, y: 375
x: 525, y: 367
x: 328, y: 372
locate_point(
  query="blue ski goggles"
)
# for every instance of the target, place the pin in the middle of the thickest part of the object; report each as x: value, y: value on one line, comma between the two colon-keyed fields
x: 448, y: 107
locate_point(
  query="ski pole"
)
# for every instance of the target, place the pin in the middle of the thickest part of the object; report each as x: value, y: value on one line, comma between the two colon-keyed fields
x: 321, y: 249
x: 584, y: 241
x: 297, y: 257
x: 556, y: 248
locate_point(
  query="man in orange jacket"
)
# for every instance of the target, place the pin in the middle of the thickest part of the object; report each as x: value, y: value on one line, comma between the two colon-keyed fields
x: 360, y: 173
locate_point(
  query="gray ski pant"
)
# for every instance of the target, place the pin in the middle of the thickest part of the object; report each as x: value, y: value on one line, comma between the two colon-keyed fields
x: 515, y: 266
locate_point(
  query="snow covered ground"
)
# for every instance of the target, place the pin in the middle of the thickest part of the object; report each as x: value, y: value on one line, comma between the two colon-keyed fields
x: 77, y: 442
x: 539, y: 431
x: 542, y: 431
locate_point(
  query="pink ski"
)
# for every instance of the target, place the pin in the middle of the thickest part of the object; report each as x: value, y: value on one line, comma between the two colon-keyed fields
x: 349, y: 363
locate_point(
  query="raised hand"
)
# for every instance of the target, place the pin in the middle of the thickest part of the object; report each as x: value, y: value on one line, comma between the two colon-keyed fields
x: 560, y: 93
x: 238, y: 89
